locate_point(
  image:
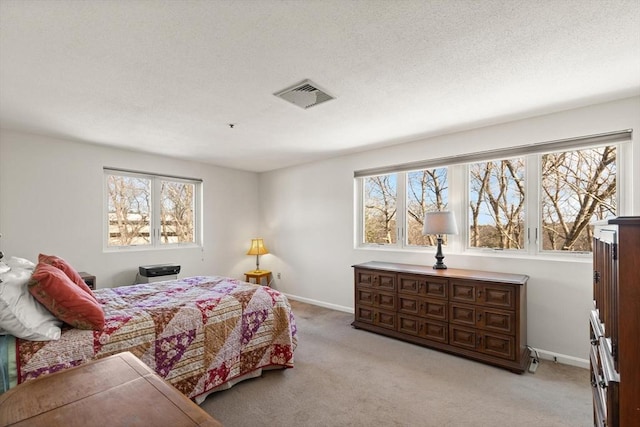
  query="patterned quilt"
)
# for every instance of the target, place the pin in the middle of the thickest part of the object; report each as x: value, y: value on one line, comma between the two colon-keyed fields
x: 197, y: 333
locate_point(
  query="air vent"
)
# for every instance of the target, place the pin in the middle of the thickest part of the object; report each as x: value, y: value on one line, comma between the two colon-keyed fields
x: 305, y: 95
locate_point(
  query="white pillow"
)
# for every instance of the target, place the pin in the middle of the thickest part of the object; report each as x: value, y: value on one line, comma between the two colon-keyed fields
x: 20, y: 313
x: 15, y: 262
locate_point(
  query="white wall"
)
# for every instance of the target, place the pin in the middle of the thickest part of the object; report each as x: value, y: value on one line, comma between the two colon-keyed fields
x: 308, y: 223
x: 51, y: 201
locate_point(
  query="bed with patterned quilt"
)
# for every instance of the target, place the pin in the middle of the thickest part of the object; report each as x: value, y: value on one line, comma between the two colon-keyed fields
x: 198, y: 333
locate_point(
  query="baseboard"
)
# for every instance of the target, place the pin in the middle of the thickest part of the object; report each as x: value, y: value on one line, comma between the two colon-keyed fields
x: 563, y: 358
x: 321, y: 303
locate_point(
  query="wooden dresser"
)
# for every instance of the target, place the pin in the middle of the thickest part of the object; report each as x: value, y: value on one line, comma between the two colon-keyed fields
x: 118, y: 390
x: 476, y: 314
x: 615, y: 323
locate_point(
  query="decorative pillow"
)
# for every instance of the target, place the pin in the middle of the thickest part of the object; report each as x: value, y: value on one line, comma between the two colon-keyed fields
x: 20, y: 314
x: 64, y: 299
x: 68, y: 270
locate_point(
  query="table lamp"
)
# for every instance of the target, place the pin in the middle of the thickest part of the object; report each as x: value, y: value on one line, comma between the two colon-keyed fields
x: 257, y: 248
x: 439, y: 223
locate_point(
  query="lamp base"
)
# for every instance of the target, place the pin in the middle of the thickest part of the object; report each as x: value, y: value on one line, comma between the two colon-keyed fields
x: 439, y: 265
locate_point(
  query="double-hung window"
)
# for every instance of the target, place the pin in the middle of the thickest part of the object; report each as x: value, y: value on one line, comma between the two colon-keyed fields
x: 537, y: 199
x: 148, y: 210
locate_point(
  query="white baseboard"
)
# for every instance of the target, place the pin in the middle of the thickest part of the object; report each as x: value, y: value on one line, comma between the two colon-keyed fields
x: 563, y: 358
x: 321, y: 303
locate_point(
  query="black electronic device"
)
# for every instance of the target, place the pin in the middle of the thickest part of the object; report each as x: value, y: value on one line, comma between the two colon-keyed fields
x: 158, y: 270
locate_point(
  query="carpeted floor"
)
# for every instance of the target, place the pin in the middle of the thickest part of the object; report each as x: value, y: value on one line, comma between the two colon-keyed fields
x: 349, y: 377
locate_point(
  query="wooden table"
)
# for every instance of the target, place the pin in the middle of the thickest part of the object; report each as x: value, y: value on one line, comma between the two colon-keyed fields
x: 118, y: 390
x: 258, y: 275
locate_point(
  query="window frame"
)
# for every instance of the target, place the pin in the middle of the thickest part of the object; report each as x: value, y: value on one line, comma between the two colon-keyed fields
x: 459, y: 182
x: 155, y: 217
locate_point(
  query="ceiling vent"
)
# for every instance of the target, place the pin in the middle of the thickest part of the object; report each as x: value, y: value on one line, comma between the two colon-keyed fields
x: 305, y: 95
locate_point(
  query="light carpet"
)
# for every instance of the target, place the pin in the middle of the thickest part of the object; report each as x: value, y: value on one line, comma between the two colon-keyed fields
x: 349, y: 377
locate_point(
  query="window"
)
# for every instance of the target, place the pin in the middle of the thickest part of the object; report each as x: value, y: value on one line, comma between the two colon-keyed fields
x: 496, y: 204
x: 151, y: 210
x: 578, y: 187
x: 539, y: 198
x: 427, y: 191
x: 380, y: 209
x: 387, y: 216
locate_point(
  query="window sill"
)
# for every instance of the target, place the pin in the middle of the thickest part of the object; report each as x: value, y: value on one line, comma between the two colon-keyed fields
x: 141, y: 248
x: 486, y: 253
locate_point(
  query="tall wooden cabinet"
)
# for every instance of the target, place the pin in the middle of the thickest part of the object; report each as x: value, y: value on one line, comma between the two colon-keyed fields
x: 476, y: 314
x: 615, y: 323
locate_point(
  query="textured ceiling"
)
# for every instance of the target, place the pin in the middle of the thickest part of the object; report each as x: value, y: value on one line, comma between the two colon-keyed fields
x: 170, y: 76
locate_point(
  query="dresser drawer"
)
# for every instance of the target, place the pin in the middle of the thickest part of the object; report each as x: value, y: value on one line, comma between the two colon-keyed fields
x: 375, y: 279
x: 490, y: 319
x: 423, y: 328
x: 431, y: 287
x: 498, y: 345
x: 499, y: 296
x: 368, y: 296
x: 425, y: 307
x: 374, y: 316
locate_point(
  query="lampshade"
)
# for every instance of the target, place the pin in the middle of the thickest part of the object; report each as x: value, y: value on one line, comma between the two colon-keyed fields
x: 257, y: 247
x: 439, y: 223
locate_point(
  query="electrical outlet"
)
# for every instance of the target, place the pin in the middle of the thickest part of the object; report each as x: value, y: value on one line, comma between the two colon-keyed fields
x: 279, y: 277
x: 533, y: 366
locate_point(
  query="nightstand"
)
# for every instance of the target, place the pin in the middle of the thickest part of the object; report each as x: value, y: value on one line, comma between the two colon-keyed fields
x: 258, y: 275
x: 89, y: 279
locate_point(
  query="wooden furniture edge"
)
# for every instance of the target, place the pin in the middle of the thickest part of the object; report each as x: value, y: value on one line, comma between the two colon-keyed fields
x: 449, y: 273
x: 144, y: 373
x: 517, y: 368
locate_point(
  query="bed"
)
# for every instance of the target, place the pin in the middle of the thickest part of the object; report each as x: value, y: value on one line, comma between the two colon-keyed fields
x: 201, y: 334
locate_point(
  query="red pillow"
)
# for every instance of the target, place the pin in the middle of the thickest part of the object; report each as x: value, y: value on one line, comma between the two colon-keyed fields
x: 64, y: 299
x: 68, y: 270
